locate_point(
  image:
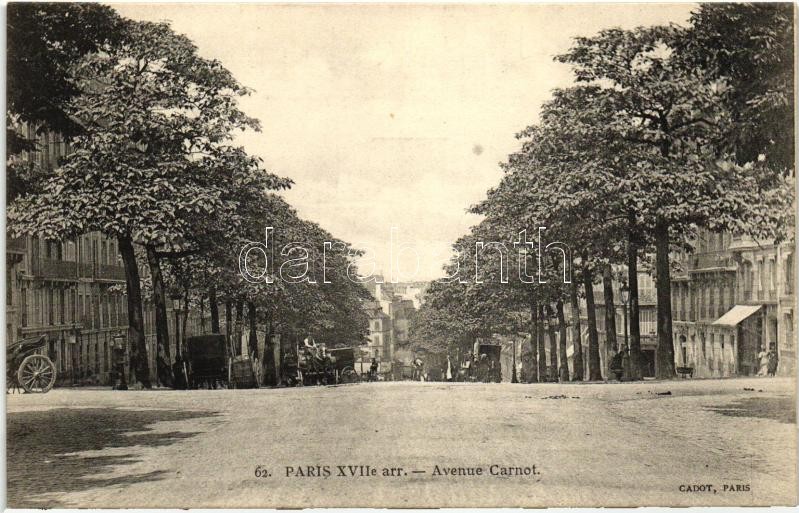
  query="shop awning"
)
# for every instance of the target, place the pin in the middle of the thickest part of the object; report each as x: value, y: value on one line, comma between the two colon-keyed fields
x: 737, y: 314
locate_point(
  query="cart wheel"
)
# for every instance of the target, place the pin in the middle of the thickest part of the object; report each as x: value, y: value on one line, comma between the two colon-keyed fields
x: 348, y: 375
x: 36, y: 374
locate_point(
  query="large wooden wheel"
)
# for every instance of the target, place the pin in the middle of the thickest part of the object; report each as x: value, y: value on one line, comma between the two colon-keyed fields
x: 348, y: 375
x: 36, y: 374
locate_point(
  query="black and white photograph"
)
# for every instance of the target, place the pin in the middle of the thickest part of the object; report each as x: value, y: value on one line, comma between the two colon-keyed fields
x: 400, y: 255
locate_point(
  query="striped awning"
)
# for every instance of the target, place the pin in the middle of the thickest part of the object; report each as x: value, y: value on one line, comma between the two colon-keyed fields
x: 736, y: 315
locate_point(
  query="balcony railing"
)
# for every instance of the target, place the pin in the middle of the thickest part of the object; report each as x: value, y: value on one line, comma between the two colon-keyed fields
x: 110, y: 272
x: 86, y: 270
x: 67, y: 270
x: 711, y: 260
x: 17, y: 245
x: 55, y: 269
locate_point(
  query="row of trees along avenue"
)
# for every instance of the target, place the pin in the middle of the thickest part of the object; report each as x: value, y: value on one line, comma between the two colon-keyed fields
x: 153, y: 165
x: 666, y: 130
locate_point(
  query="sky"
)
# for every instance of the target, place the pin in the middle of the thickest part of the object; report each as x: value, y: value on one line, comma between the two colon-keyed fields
x: 393, y: 118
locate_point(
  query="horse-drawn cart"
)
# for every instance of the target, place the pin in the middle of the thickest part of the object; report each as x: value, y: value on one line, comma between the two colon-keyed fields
x: 27, y: 368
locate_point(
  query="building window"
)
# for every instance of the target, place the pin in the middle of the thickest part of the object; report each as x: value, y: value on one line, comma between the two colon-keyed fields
x: 62, y: 306
x: 74, y: 306
x: 377, y: 340
x: 97, y: 315
x: 23, y: 300
x: 112, y: 306
x: 772, y: 276
x: 711, y: 301
x: 97, y: 350
x: 50, y: 304
x: 702, y: 303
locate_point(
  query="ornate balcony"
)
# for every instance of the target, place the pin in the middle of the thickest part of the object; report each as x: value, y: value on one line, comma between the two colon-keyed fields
x: 718, y: 260
x: 17, y: 245
x: 110, y: 272
x: 55, y: 269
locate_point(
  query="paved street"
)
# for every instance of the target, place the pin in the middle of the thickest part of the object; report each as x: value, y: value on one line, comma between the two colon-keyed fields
x: 596, y: 444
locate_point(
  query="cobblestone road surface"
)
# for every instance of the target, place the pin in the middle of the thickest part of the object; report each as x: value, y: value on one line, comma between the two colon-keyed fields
x: 733, y: 441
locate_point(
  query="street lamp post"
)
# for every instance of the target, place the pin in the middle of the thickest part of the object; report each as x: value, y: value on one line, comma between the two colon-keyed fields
x: 625, y: 298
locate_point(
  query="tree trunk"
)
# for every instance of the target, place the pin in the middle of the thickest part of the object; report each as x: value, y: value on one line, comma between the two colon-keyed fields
x: 594, y: 371
x: 202, y: 314
x: 268, y: 361
x: 212, y: 304
x: 635, y: 315
x: 252, y: 342
x: 239, y: 329
x: 162, y: 353
x: 553, y: 347
x: 532, y: 376
x: 611, y: 344
x: 579, y: 372
x: 137, y: 343
x: 229, y: 324
x: 563, y: 370
x: 665, y: 353
x: 542, y: 350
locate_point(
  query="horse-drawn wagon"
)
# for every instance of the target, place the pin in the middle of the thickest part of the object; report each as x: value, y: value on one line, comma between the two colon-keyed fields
x: 207, y: 361
x: 343, y: 361
x: 312, y: 364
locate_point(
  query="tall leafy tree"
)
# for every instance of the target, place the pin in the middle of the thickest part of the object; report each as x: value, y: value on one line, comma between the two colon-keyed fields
x: 675, y: 116
x: 751, y: 46
x: 152, y: 156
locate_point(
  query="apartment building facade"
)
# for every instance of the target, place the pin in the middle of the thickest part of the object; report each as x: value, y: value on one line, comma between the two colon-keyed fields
x: 72, y: 292
x: 733, y: 299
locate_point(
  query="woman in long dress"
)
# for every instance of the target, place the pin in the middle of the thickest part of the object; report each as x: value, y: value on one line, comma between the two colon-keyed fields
x: 762, y: 357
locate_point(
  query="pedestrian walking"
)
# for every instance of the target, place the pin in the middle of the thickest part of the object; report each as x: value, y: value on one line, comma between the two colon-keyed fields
x: 763, y: 358
x: 373, y: 370
x: 773, y: 361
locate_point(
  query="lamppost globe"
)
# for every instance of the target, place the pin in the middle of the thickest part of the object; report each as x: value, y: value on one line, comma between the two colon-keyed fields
x: 625, y: 293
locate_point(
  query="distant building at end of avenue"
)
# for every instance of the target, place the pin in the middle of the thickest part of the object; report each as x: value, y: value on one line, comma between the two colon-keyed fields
x: 389, y: 318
